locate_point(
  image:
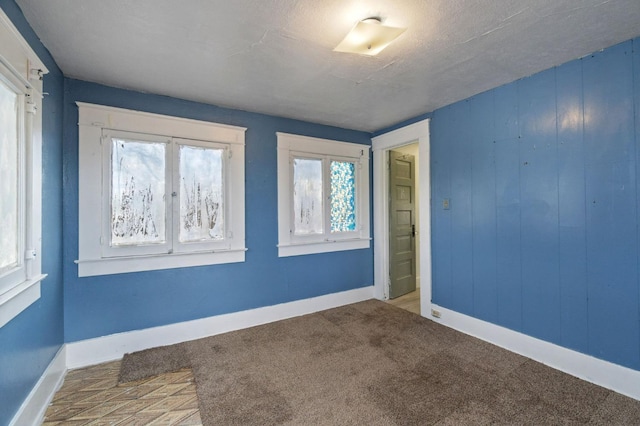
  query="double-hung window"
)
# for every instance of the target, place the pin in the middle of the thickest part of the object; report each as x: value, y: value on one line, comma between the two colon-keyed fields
x: 323, y: 195
x: 20, y: 172
x: 158, y: 192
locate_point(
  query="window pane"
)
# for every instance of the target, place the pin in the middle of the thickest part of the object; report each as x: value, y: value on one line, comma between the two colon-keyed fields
x: 307, y: 196
x: 343, y: 196
x: 137, y: 193
x: 9, y: 181
x: 201, y: 194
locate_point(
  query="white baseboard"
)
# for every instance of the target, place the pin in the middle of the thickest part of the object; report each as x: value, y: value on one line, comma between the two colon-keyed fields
x: 113, y: 347
x: 33, y: 409
x: 603, y: 373
x: 108, y: 348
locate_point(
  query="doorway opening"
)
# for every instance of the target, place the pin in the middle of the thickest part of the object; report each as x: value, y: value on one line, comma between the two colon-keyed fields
x: 402, y: 222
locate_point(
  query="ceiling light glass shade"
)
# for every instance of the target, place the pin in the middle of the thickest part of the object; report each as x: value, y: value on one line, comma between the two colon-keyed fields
x: 368, y: 37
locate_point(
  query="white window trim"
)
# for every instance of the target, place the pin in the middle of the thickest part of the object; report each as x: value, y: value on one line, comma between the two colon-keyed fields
x: 295, y: 145
x: 20, y: 64
x: 92, y: 120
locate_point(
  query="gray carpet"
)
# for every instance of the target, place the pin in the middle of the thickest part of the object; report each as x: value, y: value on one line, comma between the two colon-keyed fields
x: 374, y: 364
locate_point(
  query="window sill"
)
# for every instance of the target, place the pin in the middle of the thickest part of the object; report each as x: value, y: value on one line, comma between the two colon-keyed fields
x: 19, y: 298
x: 299, y: 249
x: 121, y: 265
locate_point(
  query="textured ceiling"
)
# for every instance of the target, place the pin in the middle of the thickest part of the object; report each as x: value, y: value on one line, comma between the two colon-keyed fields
x: 275, y: 56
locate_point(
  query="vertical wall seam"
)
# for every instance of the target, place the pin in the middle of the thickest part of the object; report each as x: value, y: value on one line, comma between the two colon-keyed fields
x: 586, y: 204
x: 450, y: 230
x: 473, y: 257
x: 451, y: 225
x: 519, y: 142
x: 559, y: 288
x: 63, y: 137
x: 635, y: 150
x: 495, y: 206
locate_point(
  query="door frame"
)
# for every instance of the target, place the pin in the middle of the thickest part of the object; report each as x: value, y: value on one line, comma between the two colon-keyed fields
x: 413, y: 133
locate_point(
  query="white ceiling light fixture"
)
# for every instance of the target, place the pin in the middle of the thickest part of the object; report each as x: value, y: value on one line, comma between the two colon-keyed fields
x: 369, y: 37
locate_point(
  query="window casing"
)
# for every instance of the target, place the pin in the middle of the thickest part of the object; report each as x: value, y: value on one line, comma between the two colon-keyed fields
x: 12, y: 182
x: 323, y: 195
x: 20, y: 172
x: 171, y: 192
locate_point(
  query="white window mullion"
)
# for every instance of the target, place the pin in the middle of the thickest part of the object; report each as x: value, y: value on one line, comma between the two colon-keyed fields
x: 27, y: 250
x: 172, y: 205
x: 326, y: 182
x: 226, y: 195
x: 23, y: 183
x: 290, y: 195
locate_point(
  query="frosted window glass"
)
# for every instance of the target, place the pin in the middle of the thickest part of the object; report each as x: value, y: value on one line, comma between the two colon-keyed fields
x: 9, y: 169
x: 201, y: 194
x: 137, y: 193
x: 307, y: 196
x: 343, y: 196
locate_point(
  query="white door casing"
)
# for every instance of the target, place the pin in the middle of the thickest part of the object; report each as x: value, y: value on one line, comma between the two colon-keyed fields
x: 417, y: 132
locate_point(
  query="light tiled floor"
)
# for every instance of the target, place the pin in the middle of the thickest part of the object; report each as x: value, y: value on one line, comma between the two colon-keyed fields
x: 409, y: 302
x: 92, y: 396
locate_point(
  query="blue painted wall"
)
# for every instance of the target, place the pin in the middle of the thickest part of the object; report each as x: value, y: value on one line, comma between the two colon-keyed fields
x: 98, y: 306
x: 29, y: 342
x: 542, y: 235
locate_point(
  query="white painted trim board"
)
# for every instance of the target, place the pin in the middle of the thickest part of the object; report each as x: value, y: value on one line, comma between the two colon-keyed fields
x: 113, y: 347
x: 603, y: 373
x: 94, y: 351
x: 416, y: 132
x: 34, y: 407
